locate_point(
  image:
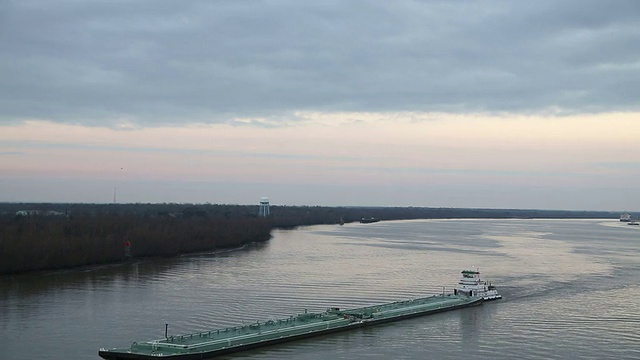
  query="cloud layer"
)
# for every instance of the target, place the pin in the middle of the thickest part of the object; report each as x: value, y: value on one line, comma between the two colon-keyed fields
x: 171, y: 62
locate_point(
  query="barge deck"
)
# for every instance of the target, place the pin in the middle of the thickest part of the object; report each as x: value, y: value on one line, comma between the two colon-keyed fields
x: 211, y: 343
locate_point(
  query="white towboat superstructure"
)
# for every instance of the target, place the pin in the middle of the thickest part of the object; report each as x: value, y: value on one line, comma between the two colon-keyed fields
x: 471, y: 285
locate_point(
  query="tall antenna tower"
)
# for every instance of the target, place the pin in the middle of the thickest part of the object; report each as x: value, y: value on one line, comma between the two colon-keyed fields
x: 264, y: 207
x: 115, y: 191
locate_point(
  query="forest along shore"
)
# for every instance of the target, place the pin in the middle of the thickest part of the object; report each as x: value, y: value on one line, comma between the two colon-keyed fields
x: 54, y: 236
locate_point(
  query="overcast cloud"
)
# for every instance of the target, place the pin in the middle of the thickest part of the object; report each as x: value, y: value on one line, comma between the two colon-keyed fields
x: 158, y: 62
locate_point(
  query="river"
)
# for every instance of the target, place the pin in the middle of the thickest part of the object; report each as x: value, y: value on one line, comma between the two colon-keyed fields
x: 571, y: 290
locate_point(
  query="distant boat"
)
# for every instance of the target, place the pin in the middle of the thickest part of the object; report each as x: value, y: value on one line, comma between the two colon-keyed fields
x: 626, y: 217
x: 369, y: 220
x: 633, y: 223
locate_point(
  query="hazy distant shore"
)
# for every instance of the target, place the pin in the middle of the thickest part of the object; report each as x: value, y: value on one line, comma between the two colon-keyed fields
x: 57, y: 236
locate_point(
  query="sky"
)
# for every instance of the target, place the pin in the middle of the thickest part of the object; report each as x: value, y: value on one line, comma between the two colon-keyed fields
x: 482, y: 104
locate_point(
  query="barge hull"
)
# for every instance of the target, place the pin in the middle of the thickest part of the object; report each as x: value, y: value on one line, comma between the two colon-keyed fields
x: 115, y: 354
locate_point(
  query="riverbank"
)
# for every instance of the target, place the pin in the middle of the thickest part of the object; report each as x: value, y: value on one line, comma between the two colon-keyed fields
x: 46, y: 243
x: 56, y: 236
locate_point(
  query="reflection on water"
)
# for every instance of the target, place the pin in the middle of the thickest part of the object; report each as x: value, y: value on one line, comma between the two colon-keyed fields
x: 569, y: 286
x: 113, y: 276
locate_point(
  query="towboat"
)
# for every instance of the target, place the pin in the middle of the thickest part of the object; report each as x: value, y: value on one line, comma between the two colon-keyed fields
x: 472, y: 285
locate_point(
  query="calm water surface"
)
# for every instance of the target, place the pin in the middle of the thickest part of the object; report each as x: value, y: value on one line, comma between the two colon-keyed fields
x: 571, y: 290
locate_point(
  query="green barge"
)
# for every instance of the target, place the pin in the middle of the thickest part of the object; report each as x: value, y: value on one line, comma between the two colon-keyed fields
x: 208, y: 344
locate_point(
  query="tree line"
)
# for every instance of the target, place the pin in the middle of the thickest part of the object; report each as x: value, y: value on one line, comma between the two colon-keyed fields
x: 39, y: 242
x: 54, y: 236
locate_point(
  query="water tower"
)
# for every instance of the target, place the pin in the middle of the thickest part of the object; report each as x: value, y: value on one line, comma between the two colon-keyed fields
x: 264, y: 207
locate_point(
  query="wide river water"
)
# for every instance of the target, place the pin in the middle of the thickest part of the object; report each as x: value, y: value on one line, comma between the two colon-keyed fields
x: 571, y: 291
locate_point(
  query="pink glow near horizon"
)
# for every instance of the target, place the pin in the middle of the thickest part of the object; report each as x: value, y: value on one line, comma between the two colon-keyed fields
x: 348, y: 149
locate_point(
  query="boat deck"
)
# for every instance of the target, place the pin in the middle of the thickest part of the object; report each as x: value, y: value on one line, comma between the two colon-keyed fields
x: 302, y: 325
x: 240, y: 335
x: 401, y: 307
